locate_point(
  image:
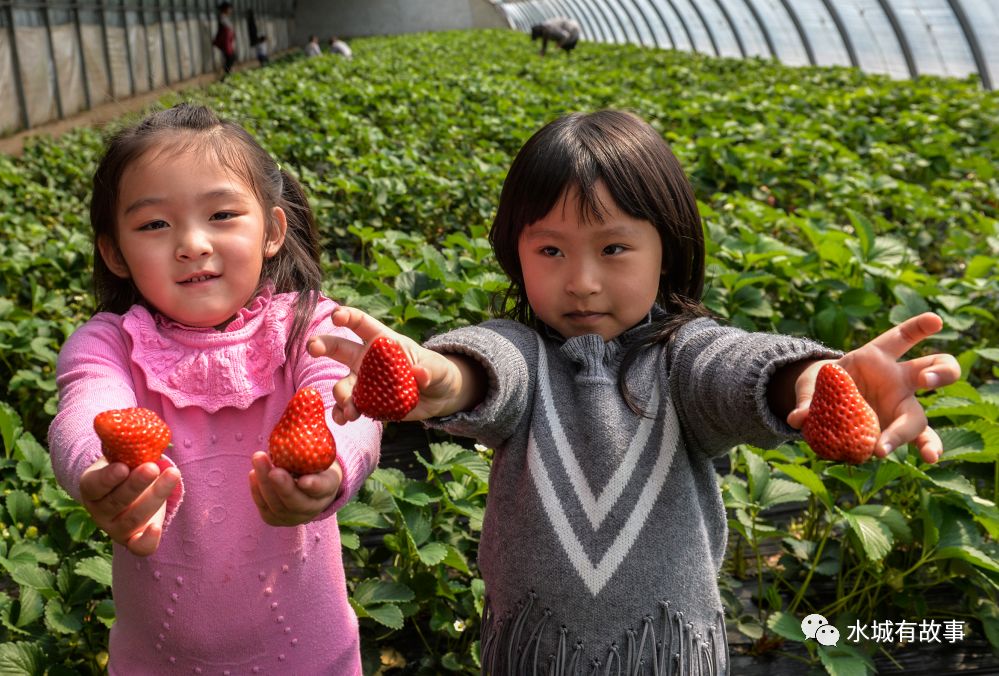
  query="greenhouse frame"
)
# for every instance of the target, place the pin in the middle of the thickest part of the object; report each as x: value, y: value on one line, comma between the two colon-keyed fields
x: 900, y: 38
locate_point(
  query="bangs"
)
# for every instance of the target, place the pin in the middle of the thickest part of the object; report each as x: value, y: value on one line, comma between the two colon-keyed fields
x: 215, y: 144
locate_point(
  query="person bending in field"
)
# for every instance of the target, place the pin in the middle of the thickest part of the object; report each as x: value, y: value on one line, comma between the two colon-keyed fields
x: 560, y: 30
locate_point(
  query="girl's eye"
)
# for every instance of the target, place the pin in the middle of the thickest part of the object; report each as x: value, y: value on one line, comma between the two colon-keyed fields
x: 223, y: 215
x: 154, y: 225
x: 612, y: 249
x: 550, y: 251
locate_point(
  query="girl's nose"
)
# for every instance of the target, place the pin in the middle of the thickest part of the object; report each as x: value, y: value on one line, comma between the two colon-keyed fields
x: 583, y: 279
x: 193, y: 243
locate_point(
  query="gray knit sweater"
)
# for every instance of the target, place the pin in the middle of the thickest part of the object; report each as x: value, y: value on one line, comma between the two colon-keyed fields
x: 604, y: 530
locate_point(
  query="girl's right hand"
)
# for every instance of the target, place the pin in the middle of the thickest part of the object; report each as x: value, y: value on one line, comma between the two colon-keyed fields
x: 447, y: 383
x: 130, y: 506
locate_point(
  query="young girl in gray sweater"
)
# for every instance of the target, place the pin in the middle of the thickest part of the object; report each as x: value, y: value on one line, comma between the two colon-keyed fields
x: 606, y: 396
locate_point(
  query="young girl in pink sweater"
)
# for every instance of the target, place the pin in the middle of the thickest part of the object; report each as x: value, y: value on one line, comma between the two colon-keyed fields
x: 207, y: 279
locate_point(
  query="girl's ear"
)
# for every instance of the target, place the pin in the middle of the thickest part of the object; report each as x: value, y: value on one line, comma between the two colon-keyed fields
x: 276, y: 232
x: 112, y: 257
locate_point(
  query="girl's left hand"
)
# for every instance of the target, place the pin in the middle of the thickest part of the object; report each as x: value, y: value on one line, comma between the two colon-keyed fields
x: 889, y: 385
x: 283, y: 500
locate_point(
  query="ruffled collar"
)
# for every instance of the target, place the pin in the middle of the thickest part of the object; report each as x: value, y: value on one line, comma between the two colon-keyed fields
x: 208, y: 368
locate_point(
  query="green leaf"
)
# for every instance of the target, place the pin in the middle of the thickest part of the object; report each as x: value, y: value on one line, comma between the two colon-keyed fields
x: 388, y: 614
x: 80, y: 526
x: 20, y: 507
x: 30, y: 575
x: 948, y: 478
x: 60, y: 620
x: 32, y: 606
x: 97, y: 568
x: 844, y: 660
x: 359, y: 515
x: 350, y: 540
x: 10, y: 427
x: 455, y: 559
x: 778, y: 491
x: 889, y: 516
x: 21, y: 658
x: 853, y: 476
x: 972, y: 555
x: 757, y: 472
x: 807, y: 478
x: 374, y: 591
x: 912, y: 304
x: 875, y: 537
x: 432, y: 553
x: 786, y: 625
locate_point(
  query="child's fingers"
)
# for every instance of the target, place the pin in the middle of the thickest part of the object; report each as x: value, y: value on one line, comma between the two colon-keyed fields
x: 146, y: 542
x: 101, y: 479
x: 902, y: 338
x: 123, y: 494
x: 364, y: 325
x: 268, y: 478
x: 909, y: 423
x: 339, y: 349
x: 930, y: 445
x: 933, y: 371
x: 345, y: 411
x: 139, y: 512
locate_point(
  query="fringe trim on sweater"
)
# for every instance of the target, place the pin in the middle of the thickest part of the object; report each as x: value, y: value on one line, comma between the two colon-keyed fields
x: 664, y: 645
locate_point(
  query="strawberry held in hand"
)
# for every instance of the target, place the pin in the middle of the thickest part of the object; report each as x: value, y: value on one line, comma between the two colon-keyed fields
x: 841, y: 425
x: 301, y: 442
x: 132, y: 435
x: 386, y: 387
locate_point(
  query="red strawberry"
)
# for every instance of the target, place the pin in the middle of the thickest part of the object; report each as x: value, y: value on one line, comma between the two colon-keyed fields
x: 132, y: 435
x: 301, y: 442
x: 385, y: 387
x: 840, y: 425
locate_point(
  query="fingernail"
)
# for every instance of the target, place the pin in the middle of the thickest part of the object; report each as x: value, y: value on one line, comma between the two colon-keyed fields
x: 887, y: 448
x: 932, y: 381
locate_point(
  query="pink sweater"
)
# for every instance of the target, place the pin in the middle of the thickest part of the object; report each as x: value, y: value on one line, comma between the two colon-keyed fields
x: 225, y: 593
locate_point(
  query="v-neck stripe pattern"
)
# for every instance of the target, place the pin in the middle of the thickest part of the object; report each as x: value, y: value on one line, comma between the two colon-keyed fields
x: 596, y: 575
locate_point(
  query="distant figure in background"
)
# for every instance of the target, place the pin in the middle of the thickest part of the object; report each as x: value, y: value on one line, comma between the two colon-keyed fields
x: 562, y: 31
x: 262, y: 54
x: 225, y: 38
x: 338, y: 46
x: 312, y: 48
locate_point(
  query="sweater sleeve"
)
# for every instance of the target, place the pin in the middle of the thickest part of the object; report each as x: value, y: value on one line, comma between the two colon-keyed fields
x: 93, y: 375
x: 506, y: 350
x: 358, y: 443
x: 718, y: 379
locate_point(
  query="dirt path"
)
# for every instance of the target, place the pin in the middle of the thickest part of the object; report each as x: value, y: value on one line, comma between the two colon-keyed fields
x: 105, y: 112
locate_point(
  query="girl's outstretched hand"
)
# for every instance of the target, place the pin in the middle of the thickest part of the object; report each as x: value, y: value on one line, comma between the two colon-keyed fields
x: 129, y: 506
x: 283, y: 500
x: 890, y: 385
x: 446, y: 383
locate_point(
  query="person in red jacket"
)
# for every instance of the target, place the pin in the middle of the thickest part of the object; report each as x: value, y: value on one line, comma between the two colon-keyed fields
x: 225, y: 38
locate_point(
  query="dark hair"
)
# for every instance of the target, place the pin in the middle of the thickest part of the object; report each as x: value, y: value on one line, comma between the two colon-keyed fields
x: 295, y: 267
x: 645, y: 181
x: 224, y: 6
x: 537, y: 31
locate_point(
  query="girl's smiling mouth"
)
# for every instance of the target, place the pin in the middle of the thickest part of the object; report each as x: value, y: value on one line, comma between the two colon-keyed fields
x: 203, y: 277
